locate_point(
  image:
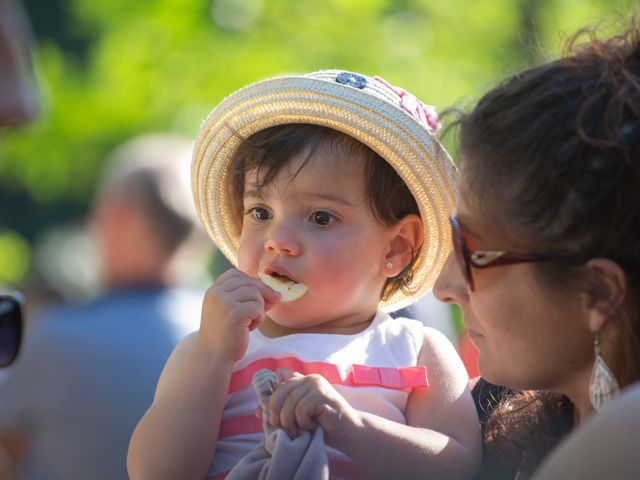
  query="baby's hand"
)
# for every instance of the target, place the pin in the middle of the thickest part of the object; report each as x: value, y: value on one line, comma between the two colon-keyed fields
x: 233, y: 306
x: 306, y: 401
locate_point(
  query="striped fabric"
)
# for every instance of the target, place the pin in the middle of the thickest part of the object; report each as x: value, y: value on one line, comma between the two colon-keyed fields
x: 374, y: 370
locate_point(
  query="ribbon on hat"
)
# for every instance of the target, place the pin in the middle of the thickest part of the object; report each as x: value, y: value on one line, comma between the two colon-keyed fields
x: 424, y: 114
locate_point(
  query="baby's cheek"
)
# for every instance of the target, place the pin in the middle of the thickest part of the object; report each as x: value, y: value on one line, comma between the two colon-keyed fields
x: 336, y: 270
x: 331, y: 259
x: 247, y: 260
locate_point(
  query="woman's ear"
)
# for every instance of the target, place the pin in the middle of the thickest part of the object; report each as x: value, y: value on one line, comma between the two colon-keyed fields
x: 606, y: 291
x: 406, y: 238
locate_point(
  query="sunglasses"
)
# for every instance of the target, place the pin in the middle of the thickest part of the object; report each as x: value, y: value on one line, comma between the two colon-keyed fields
x: 10, y: 326
x: 468, y: 258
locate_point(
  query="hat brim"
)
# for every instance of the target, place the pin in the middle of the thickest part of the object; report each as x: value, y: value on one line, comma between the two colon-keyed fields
x: 373, y: 118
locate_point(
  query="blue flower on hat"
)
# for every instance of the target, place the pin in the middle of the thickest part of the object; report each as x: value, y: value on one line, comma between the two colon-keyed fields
x: 351, y: 79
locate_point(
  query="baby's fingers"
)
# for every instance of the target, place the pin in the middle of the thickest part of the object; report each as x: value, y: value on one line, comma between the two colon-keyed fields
x: 271, y: 297
x: 282, y: 404
x: 294, y: 414
x: 305, y: 411
x: 285, y: 374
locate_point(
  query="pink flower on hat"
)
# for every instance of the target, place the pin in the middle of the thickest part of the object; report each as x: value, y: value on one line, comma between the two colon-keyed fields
x: 424, y: 114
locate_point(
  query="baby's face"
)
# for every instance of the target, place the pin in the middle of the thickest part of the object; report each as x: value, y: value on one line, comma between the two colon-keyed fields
x: 315, y: 227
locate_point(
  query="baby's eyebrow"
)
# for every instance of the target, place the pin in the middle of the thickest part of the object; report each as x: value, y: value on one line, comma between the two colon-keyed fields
x: 333, y: 198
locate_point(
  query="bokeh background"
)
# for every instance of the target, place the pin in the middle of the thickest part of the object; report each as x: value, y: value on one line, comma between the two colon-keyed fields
x: 108, y: 70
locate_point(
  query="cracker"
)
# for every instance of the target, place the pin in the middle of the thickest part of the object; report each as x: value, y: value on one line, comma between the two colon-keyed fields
x: 289, y: 289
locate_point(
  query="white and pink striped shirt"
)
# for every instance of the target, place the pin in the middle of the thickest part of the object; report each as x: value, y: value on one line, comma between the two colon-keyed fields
x: 374, y: 370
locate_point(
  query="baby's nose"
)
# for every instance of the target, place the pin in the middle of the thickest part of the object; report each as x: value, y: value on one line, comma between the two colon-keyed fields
x: 283, y: 239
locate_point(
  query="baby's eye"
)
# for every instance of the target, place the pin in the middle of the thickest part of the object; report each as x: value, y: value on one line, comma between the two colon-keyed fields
x: 259, y: 214
x: 322, y: 218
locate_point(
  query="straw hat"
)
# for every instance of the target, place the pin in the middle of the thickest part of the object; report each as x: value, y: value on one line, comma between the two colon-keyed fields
x: 391, y: 121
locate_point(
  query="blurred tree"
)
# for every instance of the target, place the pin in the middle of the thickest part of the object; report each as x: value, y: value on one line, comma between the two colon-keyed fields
x: 110, y: 70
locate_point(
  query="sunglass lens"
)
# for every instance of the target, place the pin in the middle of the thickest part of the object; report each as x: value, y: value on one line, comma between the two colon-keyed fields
x: 10, y: 330
x: 459, y: 250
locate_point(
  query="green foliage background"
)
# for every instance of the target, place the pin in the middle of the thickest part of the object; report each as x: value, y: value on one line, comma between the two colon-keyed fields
x: 112, y: 69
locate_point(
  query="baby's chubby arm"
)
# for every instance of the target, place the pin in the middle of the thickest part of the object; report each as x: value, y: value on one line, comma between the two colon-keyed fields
x: 442, y: 438
x: 177, y: 436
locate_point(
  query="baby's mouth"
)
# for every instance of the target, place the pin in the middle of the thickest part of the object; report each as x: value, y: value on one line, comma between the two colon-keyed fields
x: 282, y: 277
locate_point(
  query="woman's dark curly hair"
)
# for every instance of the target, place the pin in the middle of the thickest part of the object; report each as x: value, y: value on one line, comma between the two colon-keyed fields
x: 269, y: 150
x: 556, y: 150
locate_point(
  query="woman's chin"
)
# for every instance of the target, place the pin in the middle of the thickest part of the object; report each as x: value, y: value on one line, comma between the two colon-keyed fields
x: 491, y: 372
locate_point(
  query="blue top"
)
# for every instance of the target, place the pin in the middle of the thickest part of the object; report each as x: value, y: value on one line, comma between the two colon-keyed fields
x: 86, y: 376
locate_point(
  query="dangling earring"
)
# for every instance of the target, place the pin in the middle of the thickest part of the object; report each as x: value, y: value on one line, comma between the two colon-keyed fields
x: 603, y: 385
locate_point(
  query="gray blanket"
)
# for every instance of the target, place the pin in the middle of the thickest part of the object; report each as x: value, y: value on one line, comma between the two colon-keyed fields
x: 279, y: 457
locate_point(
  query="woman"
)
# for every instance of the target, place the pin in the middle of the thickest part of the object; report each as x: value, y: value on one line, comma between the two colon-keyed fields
x: 546, y: 237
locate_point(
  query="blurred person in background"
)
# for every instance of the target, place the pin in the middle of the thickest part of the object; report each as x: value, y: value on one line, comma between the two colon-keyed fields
x: 88, y: 372
x: 18, y: 99
x: 18, y: 105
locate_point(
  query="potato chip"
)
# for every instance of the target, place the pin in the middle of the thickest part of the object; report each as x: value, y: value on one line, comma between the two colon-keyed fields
x: 289, y: 289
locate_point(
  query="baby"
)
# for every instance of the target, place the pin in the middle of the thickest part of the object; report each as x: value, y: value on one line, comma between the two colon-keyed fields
x: 330, y: 188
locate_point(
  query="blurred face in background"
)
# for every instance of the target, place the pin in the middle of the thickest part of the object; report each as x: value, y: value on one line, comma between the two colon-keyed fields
x: 18, y: 102
x: 18, y: 105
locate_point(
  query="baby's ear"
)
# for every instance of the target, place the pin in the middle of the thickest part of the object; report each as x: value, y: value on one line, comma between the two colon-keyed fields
x: 406, y: 237
x: 606, y: 291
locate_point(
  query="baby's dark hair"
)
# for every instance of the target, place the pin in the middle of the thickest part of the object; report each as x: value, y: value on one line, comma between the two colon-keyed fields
x: 269, y: 150
x: 555, y: 150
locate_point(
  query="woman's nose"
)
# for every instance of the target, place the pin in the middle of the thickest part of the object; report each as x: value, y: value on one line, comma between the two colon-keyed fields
x: 450, y: 286
x: 283, y: 238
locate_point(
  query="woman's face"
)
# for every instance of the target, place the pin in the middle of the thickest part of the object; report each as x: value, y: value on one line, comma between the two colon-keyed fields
x: 528, y: 334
